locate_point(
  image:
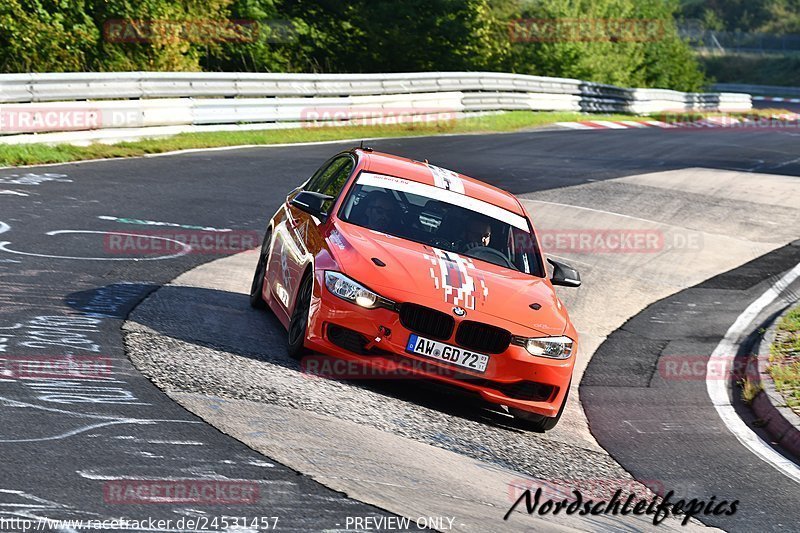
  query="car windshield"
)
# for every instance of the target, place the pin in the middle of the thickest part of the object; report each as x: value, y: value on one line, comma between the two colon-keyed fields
x: 443, y: 219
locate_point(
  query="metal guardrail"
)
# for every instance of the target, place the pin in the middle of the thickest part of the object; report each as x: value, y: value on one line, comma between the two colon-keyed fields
x: 109, y: 85
x: 61, y: 102
x: 761, y: 90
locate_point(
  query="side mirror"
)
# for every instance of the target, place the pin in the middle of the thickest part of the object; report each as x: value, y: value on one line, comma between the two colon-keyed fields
x: 563, y: 274
x: 311, y: 203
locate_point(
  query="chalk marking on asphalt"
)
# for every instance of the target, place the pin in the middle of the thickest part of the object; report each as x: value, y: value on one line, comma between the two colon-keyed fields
x: 142, y: 222
x: 107, y: 420
x: 186, y: 248
x: 718, y: 388
x: 89, y: 474
x: 785, y: 163
x: 177, y: 442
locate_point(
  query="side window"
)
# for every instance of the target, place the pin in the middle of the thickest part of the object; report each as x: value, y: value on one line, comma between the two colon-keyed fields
x: 317, y: 178
x: 331, y: 180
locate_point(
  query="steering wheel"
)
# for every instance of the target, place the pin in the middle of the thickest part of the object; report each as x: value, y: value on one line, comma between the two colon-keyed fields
x: 489, y: 254
x: 443, y: 243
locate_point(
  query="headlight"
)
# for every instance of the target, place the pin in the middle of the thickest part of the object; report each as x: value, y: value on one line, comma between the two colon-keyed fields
x: 352, y: 291
x: 553, y: 347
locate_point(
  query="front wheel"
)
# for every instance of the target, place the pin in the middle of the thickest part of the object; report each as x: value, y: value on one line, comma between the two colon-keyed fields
x: 257, y: 286
x: 298, y: 323
x: 540, y: 423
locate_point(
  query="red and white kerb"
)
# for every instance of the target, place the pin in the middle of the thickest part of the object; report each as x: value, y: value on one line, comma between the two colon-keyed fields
x: 461, y: 281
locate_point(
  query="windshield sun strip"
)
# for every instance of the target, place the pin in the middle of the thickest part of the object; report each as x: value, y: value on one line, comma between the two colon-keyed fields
x: 444, y: 195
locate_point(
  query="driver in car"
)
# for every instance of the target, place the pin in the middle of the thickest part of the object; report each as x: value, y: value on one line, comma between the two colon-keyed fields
x: 478, y: 233
x: 380, y: 211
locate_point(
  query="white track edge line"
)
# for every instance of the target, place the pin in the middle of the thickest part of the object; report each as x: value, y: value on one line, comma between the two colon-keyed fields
x: 718, y: 388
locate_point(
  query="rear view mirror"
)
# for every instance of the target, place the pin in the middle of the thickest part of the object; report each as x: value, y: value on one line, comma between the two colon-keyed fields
x: 563, y: 274
x: 311, y: 203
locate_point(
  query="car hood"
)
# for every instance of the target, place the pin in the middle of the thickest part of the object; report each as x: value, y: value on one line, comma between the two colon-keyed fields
x: 417, y: 273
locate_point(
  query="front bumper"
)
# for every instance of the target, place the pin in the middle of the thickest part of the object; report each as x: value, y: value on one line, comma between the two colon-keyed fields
x: 513, y: 378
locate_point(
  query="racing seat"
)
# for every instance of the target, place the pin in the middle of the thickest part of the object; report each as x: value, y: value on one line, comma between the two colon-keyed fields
x: 358, y: 211
x: 431, y: 216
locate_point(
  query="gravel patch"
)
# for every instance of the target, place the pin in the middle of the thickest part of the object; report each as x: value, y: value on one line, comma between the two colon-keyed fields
x: 225, y: 349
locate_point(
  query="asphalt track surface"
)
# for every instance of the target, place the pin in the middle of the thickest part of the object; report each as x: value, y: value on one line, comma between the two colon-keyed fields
x: 62, y: 450
x: 632, y: 400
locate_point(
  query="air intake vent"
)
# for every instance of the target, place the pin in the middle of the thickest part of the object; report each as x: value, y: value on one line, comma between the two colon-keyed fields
x: 482, y: 337
x: 426, y: 321
x: 529, y: 391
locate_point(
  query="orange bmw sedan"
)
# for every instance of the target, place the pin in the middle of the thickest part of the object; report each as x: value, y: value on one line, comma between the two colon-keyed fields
x: 398, y: 264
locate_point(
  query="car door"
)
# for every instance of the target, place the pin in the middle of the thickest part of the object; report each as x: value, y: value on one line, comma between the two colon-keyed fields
x: 298, y: 237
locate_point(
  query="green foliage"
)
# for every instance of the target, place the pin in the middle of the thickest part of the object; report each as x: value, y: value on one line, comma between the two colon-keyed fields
x: 767, y: 16
x: 266, y: 49
x: 754, y: 69
x: 785, y: 358
x: 157, y: 34
x: 668, y: 61
x: 45, y: 35
x: 649, y: 54
x: 340, y: 36
x: 391, y: 36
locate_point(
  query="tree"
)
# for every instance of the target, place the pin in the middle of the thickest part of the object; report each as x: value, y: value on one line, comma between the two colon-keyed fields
x: 161, y: 35
x: 622, y: 42
x: 45, y: 36
x: 269, y: 46
x: 391, y: 36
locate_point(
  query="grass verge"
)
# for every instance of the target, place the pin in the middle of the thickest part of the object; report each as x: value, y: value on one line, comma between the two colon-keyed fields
x: 750, y: 389
x: 33, y: 154
x: 784, y: 358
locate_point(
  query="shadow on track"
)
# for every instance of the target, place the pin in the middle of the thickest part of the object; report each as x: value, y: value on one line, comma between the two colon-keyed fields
x: 223, y: 320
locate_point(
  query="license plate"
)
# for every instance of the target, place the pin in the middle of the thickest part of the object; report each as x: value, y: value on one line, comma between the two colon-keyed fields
x: 449, y: 354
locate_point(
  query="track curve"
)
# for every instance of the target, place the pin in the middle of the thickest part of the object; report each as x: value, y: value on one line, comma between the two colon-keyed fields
x: 187, y: 188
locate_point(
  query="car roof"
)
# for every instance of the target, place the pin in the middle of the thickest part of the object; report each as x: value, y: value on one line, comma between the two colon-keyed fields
x: 423, y: 172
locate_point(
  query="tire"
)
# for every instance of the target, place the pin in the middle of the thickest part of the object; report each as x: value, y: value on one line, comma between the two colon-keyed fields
x: 256, y: 298
x: 298, y: 324
x: 540, y: 423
